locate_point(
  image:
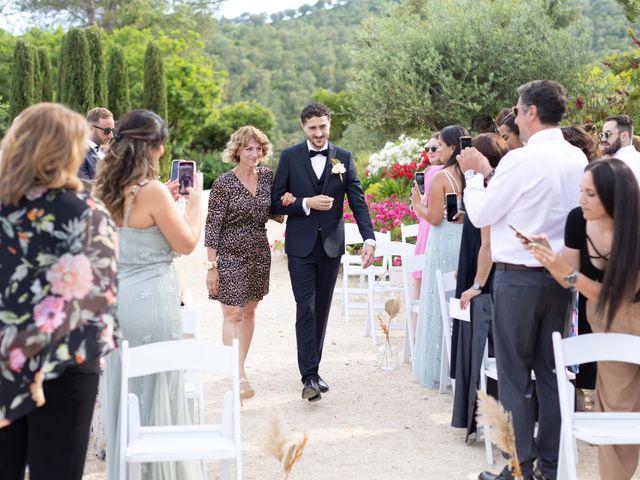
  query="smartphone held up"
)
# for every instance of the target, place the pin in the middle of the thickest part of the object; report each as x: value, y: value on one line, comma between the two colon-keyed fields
x: 465, y: 142
x: 186, y: 173
x: 452, y: 206
x: 420, y: 182
x: 525, y: 238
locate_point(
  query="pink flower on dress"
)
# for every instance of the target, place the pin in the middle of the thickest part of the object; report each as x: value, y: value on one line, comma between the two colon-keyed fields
x: 49, y: 314
x: 71, y: 276
x: 16, y: 359
x: 90, y: 203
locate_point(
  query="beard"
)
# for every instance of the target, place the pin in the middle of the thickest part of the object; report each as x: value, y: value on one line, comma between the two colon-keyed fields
x: 613, y: 147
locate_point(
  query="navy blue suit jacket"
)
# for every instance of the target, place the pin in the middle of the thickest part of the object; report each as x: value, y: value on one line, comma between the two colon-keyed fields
x: 295, y: 174
x: 87, y: 169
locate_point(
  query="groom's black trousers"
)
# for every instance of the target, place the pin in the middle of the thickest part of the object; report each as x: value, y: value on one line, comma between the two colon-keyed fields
x: 313, y: 279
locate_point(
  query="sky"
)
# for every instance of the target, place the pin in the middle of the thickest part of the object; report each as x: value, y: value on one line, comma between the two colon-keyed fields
x: 229, y: 9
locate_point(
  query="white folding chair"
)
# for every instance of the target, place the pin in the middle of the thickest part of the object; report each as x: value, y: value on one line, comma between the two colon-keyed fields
x: 408, y: 231
x: 192, y: 380
x: 379, y: 282
x: 149, y: 444
x: 410, y: 264
x: 596, y: 428
x: 446, y: 283
x: 352, y: 267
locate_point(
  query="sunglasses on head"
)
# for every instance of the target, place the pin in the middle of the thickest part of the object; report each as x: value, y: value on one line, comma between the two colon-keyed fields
x: 106, y: 131
x: 431, y: 149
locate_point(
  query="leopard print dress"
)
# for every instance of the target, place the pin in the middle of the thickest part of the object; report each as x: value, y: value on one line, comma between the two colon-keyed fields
x: 236, y: 228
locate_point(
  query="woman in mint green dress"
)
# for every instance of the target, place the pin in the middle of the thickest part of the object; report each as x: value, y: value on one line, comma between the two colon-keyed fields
x: 151, y: 233
x: 443, y: 247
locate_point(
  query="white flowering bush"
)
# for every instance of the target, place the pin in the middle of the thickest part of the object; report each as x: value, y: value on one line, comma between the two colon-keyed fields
x: 402, y: 152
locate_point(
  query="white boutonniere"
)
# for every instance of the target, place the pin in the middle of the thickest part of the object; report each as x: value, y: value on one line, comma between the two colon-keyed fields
x: 338, y: 168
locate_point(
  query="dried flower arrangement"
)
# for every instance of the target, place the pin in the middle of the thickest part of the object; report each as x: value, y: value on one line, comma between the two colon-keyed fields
x: 276, y: 444
x: 491, y: 414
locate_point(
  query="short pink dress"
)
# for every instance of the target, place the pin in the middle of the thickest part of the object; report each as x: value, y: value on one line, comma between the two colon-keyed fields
x: 424, y: 226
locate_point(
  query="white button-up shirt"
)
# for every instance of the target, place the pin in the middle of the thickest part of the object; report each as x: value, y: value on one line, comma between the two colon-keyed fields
x: 631, y: 157
x: 533, y: 189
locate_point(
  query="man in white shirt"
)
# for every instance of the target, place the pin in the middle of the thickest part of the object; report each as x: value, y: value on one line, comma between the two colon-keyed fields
x: 101, y: 127
x: 533, y: 189
x: 616, y: 139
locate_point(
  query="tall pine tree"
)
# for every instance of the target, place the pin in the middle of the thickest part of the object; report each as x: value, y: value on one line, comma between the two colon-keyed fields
x: 45, y: 74
x: 95, y: 37
x: 118, y: 83
x: 37, y: 76
x: 77, y: 87
x: 155, y: 92
x: 22, y: 79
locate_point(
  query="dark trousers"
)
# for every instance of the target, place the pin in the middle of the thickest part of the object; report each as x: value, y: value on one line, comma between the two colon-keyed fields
x: 52, y: 439
x: 528, y: 308
x: 313, y: 279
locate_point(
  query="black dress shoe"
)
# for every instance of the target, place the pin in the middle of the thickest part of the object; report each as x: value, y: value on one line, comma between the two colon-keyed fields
x: 505, y: 474
x: 324, y: 387
x: 311, y: 391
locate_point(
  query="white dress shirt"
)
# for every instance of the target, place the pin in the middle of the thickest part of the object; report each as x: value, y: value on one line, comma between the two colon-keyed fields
x: 631, y: 157
x: 533, y: 189
x: 318, y: 162
x: 96, y: 148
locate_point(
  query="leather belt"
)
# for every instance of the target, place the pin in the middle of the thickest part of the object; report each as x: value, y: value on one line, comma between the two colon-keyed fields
x: 505, y: 267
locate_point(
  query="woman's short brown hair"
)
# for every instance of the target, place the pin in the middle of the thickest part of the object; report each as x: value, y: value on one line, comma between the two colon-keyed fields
x: 240, y: 138
x: 43, y: 147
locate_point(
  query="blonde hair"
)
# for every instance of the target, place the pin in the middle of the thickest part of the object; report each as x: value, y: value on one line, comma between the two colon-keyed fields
x: 240, y: 138
x: 127, y: 160
x: 44, y: 147
x: 98, y: 113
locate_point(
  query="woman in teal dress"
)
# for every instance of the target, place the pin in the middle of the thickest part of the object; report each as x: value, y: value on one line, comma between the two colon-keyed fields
x: 151, y: 233
x: 443, y: 246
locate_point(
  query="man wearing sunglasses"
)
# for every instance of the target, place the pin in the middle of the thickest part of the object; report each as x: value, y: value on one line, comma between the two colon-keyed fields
x: 101, y: 126
x: 616, y: 139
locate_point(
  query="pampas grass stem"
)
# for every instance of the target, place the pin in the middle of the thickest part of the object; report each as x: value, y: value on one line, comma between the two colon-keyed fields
x: 276, y: 444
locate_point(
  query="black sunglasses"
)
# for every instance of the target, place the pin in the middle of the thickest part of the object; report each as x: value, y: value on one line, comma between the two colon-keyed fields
x: 431, y: 149
x: 516, y: 109
x: 107, y: 131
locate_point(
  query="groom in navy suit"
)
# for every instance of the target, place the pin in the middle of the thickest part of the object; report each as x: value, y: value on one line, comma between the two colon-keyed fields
x: 318, y: 174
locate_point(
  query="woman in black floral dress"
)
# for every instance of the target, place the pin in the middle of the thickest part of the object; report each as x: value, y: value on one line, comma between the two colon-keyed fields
x: 57, y: 296
x: 236, y: 239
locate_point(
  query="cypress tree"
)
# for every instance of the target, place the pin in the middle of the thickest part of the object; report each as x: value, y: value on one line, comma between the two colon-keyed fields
x: 95, y: 39
x: 45, y: 74
x: 77, y: 91
x: 37, y: 76
x: 62, y: 68
x: 155, y: 92
x: 22, y: 79
x: 118, y: 83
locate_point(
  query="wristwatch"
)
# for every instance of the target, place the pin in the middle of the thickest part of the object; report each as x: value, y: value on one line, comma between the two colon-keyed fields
x: 571, y: 279
x: 211, y: 265
x: 476, y: 286
x: 469, y: 174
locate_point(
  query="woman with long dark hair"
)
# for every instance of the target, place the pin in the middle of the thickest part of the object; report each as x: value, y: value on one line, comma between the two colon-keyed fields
x: 151, y: 233
x: 601, y: 259
x: 441, y: 253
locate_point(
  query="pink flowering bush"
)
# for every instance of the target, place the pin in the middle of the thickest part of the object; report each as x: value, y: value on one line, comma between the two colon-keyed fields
x: 49, y: 314
x: 71, y: 276
x: 386, y: 215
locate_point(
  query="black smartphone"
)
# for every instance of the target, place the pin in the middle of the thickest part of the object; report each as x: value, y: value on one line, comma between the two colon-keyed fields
x: 465, y: 142
x: 174, y: 170
x: 186, y: 174
x: 452, y: 206
x: 420, y: 182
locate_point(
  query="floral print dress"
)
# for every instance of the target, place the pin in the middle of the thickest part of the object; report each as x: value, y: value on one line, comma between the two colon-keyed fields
x: 57, y: 292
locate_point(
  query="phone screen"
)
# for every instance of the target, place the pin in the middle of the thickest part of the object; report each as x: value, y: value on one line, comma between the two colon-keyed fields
x: 174, y: 170
x: 420, y: 181
x: 465, y: 142
x: 186, y: 173
x: 452, y: 206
